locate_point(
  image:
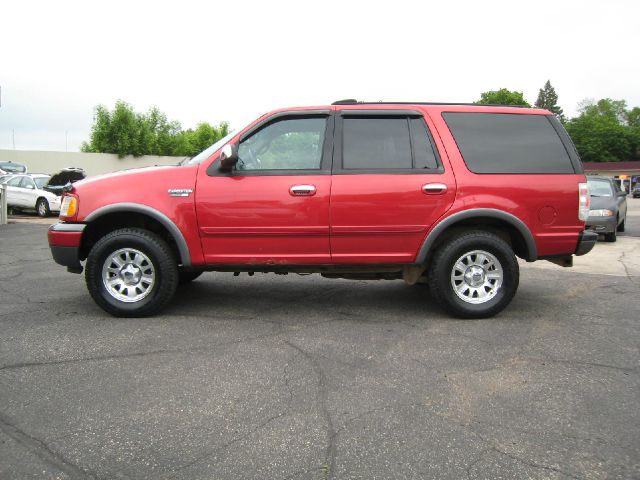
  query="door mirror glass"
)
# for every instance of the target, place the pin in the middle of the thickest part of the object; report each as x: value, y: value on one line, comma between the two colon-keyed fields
x: 228, y: 157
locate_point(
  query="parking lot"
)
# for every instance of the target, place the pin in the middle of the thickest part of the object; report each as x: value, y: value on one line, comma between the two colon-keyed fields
x: 305, y: 377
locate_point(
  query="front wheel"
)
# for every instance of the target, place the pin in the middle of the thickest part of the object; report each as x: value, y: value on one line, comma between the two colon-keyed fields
x: 475, y: 275
x: 131, y: 272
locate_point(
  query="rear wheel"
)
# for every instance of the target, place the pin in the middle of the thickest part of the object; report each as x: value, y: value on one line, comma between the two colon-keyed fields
x: 131, y: 272
x: 42, y: 207
x: 475, y: 275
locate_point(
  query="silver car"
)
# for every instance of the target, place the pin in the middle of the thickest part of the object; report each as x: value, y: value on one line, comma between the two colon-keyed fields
x: 608, y: 210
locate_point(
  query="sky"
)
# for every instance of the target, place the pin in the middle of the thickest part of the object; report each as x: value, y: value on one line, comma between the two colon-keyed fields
x: 215, y: 61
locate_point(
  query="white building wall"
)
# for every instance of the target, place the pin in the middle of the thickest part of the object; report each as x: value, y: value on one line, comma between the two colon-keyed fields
x: 92, y: 163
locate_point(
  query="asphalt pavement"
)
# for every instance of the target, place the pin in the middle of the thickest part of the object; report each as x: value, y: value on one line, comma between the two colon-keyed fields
x: 301, y: 377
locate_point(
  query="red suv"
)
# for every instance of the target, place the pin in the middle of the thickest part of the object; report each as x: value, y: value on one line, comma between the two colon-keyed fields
x: 447, y: 194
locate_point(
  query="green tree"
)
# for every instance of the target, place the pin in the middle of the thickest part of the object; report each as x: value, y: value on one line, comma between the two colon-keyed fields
x: 548, y: 99
x: 601, y: 132
x: 503, y: 97
x: 124, y: 131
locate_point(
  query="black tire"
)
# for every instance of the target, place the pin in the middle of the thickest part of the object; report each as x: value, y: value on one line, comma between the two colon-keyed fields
x: 447, y: 255
x: 187, y: 277
x: 163, y: 262
x: 621, y: 226
x: 610, y: 237
x: 42, y: 208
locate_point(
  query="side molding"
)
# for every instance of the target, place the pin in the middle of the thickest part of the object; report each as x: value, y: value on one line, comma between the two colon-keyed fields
x: 185, y: 256
x: 532, y: 252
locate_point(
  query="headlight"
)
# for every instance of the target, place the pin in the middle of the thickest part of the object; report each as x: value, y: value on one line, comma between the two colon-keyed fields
x: 69, y: 207
x: 603, y: 212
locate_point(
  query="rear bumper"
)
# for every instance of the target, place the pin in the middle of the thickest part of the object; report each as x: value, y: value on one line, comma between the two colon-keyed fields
x: 586, y: 242
x: 64, y: 242
x: 601, y: 224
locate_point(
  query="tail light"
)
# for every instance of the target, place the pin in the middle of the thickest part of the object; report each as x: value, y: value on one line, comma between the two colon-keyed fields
x: 584, y: 201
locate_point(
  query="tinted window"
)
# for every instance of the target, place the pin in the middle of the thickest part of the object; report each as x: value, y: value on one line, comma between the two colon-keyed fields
x: 376, y: 143
x: 508, y: 143
x: 423, y: 152
x: 294, y: 144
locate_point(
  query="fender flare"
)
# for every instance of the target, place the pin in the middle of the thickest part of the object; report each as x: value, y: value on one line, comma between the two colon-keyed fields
x: 174, y: 231
x: 532, y: 252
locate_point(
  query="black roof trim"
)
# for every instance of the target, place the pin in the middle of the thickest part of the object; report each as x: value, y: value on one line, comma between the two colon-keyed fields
x: 352, y: 101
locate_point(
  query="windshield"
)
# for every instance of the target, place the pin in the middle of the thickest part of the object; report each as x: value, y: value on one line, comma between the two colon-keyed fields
x: 216, y: 146
x: 41, y: 181
x: 600, y: 188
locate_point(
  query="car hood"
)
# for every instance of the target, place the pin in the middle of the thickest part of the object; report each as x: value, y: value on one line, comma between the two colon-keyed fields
x: 65, y: 176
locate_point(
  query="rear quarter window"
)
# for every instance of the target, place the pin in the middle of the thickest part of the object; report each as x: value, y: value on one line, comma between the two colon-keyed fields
x: 508, y: 143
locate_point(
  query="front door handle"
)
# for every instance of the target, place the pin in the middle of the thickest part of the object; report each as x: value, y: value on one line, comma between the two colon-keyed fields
x: 302, y: 190
x: 434, y: 188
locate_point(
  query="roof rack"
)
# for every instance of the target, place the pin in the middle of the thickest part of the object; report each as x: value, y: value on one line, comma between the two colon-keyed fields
x: 351, y: 101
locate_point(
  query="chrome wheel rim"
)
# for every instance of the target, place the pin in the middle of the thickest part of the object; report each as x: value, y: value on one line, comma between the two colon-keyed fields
x: 128, y: 275
x: 42, y: 209
x: 476, y: 277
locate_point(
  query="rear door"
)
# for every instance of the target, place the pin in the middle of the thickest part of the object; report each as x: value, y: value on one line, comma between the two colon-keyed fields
x: 15, y: 192
x: 390, y: 184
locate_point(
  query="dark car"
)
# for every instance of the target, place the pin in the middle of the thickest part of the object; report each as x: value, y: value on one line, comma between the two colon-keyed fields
x: 13, y: 167
x: 636, y: 191
x: 67, y: 175
x: 608, y: 210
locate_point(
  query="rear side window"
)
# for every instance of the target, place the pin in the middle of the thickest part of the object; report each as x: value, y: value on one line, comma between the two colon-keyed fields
x: 508, y: 143
x: 387, y: 143
x: 376, y: 143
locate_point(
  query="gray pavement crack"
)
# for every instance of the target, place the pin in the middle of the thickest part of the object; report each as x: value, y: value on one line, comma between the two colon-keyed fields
x: 322, y: 400
x: 223, y: 447
x: 43, y: 451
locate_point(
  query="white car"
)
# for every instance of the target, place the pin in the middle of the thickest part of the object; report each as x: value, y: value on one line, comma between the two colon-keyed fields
x: 27, y: 192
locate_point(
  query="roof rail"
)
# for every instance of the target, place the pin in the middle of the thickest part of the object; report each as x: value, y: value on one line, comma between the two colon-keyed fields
x: 351, y: 101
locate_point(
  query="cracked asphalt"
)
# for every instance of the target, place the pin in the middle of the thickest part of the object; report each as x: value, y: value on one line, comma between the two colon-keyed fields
x: 289, y: 377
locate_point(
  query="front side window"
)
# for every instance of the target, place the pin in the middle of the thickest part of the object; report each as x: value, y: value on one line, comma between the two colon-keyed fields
x: 27, y: 183
x: 41, y: 181
x: 290, y: 144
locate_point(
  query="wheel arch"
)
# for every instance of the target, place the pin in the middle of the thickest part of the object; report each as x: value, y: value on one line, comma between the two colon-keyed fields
x: 498, y: 221
x: 120, y: 215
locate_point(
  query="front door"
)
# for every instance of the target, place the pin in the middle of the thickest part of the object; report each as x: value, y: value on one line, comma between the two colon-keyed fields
x: 390, y: 184
x: 273, y: 208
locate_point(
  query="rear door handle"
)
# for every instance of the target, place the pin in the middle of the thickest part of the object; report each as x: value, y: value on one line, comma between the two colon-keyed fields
x: 434, y: 188
x: 302, y: 190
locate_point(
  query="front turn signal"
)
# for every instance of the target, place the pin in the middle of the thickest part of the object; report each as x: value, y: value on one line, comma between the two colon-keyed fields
x: 69, y: 207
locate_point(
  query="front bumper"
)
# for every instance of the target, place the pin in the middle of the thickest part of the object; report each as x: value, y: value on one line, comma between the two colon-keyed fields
x: 586, y: 242
x: 601, y: 224
x: 64, y: 242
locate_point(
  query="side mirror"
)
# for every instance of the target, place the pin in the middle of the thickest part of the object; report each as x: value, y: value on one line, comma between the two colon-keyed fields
x: 30, y: 187
x: 228, y: 157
